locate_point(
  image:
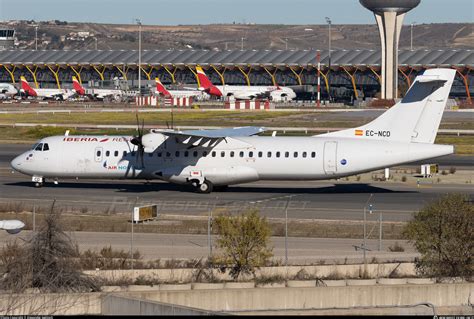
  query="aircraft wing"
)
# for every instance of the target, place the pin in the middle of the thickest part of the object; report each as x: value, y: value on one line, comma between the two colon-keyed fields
x: 210, y: 138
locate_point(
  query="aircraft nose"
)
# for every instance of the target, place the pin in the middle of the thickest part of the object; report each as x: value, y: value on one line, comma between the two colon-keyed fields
x: 16, y: 163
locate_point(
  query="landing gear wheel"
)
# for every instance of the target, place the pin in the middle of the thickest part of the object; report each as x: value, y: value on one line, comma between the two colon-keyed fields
x: 205, y: 187
x: 38, y: 184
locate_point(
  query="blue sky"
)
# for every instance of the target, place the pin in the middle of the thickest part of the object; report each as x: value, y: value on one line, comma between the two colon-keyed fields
x: 172, y: 12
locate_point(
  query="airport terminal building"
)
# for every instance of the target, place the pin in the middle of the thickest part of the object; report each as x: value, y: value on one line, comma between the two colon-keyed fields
x: 346, y: 74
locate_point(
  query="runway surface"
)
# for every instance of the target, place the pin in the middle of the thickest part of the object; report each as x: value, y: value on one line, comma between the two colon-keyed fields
x: 313, y: 200
x: 172, y: 246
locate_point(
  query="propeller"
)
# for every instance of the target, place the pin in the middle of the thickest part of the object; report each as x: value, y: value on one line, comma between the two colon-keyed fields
x: 137, y: 140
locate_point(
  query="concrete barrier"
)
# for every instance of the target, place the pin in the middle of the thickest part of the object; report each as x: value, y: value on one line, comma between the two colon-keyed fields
x: 361, y: 282
x: 335, y: 283
x: 239, y: 285
x: 301, y: 283
x: 164, y: 287
x: 392, y: 281
x: 143, y: 288
x: 198, y: 285
x: 420, y: 281
x: 321, y: 271
x: 272, y: 285
x: 228, y: 300
x: 113, y: 288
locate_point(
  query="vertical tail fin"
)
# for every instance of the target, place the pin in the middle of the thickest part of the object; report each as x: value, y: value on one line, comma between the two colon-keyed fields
x: 25, y: 86
x: 161, y: 89
x: 416, y: 117
x: 77, y: 86
x: 206, y: 84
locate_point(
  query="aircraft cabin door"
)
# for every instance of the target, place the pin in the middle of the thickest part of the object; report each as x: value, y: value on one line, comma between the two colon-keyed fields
x: 330, y: 157
x: 98, y: 154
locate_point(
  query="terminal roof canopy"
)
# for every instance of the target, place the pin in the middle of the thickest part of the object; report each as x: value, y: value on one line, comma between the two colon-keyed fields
x: 234, y: 57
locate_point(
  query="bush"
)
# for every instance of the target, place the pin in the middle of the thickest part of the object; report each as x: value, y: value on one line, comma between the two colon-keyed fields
x: 452, y: 170
x: 404, y: 178
x: 442, y: 234
x: 243, y: 241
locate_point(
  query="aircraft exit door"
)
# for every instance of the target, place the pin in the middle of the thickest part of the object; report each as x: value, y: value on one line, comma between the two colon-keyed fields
x: 330, y: 157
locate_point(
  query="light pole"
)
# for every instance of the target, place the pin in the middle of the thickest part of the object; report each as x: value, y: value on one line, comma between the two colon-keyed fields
x: 411, y: 36
x: 95, y: 38
x: 242, y: 43
x: 286, y: 43
x: 36, y: 38
x: 328, y: 21
x: 139, y: 22
x: 364, y: 248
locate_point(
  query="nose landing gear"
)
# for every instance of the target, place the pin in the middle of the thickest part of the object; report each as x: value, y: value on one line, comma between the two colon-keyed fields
x: 204, y: 187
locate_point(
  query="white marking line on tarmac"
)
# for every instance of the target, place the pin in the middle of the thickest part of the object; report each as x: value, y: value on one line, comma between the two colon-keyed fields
x: 168, y: 203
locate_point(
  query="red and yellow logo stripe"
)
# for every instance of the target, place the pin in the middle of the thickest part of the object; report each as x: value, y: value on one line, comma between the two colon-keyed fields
x: 359, y: 132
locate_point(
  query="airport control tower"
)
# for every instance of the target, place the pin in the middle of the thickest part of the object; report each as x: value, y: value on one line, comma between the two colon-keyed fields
x: 389, y: 15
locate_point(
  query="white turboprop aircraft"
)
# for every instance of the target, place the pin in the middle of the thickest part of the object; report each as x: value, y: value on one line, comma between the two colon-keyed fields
x: 7, y: 90
x: 241, y: 92
x: 56, y: 94
x: 161, y: 90
x: 208, y: 158
x: 96, y: 93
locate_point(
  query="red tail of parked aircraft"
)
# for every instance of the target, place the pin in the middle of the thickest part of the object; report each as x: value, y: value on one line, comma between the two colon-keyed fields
x: 206, y: 84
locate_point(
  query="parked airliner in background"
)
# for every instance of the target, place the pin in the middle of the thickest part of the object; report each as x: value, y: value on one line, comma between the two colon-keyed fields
x: 208, y: 158
x: 241, y: 92
x: 99, y: 94
x: 56, y: 94
x: 7, y: 90
x: 161, y: 90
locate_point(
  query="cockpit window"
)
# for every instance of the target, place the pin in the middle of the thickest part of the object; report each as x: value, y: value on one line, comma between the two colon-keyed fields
x: 45, y: 147
x: 39, y: 147
x: 34, y: 146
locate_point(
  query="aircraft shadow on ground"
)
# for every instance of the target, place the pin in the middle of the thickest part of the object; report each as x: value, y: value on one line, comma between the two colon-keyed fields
x: 141, y: 187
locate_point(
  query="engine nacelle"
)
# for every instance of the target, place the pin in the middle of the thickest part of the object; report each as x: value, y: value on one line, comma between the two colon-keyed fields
x: 152, y: 141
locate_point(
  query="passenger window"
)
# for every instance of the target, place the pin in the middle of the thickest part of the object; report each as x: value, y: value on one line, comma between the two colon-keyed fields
x: 213, y: 154
x: 232, y: 154
x: 116, y: 153
x: 107, y: 153
x: 295, y: 155
x: 313, y: 154
x: 158, y: 154
x: 124, y: 153
x: 39, y: 147
x: 222, y: 154
x: 287, y: 154
x: 150, y: 154
x: 168, y: 154
x: 269, y: 154
x: 260, y: 154
x: 241, y: 154
x: 277, y: 154
x: 250, y: 154
x: 46, y: 147
x: 304, y: 154
x: 98, y: 153
x: 204, y: 154
x: 186, y: 154
x: 176, y: 153
x: 195, y: 154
